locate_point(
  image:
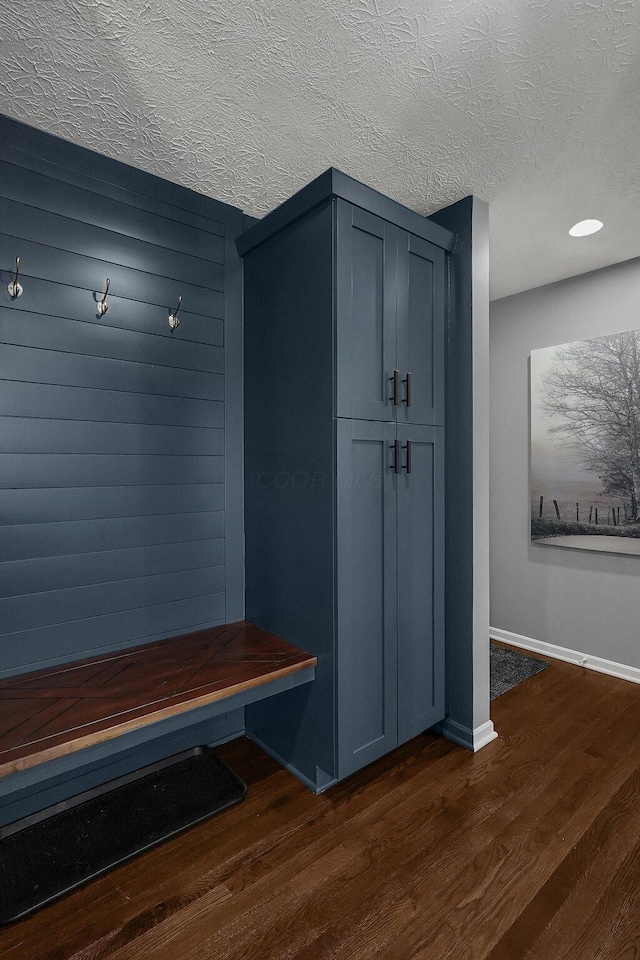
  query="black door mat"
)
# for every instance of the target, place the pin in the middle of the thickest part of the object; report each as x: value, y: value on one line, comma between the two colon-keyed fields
x: 510, y: 668
x: 52, y: 852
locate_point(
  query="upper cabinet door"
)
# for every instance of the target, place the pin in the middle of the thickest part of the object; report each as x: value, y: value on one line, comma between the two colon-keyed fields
x: 366, y: 262
x: 421, y: 330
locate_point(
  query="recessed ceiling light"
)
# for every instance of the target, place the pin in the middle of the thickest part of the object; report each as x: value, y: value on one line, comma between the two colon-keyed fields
x: 585, y: 227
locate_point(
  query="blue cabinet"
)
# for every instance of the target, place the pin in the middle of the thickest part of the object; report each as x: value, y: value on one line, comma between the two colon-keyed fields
x: 344, y: 485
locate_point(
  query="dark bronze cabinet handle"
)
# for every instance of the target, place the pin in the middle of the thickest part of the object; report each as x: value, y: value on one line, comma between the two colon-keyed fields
x: 407, y: 462
x: 395, y: 396
x: 407, y: 381
x: 395, y: 463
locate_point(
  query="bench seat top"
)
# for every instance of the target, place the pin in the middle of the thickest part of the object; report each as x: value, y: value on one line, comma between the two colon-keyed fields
x: 54, y: 712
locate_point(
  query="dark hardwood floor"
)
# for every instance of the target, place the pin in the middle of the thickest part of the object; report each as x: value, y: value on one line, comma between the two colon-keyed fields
x: 530, y: 848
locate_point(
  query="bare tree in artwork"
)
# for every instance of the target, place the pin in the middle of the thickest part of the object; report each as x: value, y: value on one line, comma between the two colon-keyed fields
x: 593, y: 388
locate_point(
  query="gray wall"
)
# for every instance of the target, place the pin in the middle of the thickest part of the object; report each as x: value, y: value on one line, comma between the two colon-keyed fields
x: 120, y: 442
x: 577, y: 599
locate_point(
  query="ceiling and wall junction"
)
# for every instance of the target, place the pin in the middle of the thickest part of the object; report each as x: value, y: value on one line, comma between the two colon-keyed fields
x: 529, y: 104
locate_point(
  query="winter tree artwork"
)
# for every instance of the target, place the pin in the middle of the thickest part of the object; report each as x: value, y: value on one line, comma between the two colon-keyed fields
x: 585, y: 444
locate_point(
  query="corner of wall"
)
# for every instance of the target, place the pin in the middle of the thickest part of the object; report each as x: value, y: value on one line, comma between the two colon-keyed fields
x: 467, y: 473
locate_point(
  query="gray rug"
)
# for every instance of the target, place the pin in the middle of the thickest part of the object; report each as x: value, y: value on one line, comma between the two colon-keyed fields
x: 510, y: 667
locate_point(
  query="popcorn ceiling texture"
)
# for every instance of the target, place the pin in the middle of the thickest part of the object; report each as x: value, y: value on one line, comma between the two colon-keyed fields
x: 530, y: 104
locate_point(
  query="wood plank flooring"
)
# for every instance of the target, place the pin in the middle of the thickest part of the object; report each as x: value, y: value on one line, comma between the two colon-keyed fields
x: 55, y: 712
x: 529, y: 849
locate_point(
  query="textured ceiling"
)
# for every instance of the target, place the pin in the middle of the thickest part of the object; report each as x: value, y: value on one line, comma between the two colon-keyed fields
x: 530, y: 104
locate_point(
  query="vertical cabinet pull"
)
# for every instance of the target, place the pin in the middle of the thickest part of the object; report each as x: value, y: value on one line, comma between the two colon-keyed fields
x: 407, y: 463
x: 395, y: 395
x: 407, y: 396
x: 395, y: 463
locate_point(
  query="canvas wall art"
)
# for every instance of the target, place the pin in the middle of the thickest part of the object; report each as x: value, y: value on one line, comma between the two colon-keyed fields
x: 585, y: 444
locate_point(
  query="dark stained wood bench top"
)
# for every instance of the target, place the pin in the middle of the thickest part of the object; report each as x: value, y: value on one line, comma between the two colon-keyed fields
x: 55, y: 712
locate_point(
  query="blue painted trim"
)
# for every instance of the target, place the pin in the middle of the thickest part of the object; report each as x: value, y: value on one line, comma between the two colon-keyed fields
x: 334, y: 183
x: 99, y: 651
x: 53, y: 149
x: 234, y: 423
x: 100, y: 188
x: 466, y: 472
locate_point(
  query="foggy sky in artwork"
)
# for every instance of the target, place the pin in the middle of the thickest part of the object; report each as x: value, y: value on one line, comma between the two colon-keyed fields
x: 552, y: 457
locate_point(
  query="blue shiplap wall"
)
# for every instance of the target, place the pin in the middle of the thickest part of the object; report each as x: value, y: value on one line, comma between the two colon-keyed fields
x: 120, y: 443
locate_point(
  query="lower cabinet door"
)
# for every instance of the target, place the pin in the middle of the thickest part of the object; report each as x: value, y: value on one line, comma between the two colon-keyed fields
x: 366, y: 592
x: 420, y: 579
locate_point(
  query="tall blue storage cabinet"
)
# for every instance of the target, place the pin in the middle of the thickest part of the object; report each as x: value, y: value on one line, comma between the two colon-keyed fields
x: 344, y: 461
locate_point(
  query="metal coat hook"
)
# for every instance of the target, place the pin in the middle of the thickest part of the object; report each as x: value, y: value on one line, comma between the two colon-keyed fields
x: 174, y: 320
x: 15, y: 289
x: 103, y: 306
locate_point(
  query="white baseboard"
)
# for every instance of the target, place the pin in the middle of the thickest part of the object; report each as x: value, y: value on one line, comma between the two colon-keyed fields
x: 466, y: 737
x: 621, y: 670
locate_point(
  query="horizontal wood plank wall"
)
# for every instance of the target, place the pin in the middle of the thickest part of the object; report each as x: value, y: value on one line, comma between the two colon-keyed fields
x: 113, y: 450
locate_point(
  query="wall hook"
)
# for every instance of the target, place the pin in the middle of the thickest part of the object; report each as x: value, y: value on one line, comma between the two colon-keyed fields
x: 15, y: 289
x: 174, y: 320
x: 103, y: 306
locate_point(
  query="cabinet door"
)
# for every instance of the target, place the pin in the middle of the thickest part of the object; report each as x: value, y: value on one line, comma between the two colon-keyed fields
x: 366, y: 592
x: 420, y: 580
x: 366, y: 249
x: 421, y: 330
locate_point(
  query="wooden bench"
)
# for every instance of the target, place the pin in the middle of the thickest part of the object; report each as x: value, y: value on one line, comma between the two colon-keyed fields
x: 56, y: 712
